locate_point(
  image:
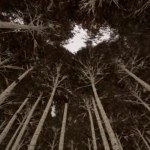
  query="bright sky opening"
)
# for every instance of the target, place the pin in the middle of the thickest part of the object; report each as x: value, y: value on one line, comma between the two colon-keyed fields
x: 81, y: 37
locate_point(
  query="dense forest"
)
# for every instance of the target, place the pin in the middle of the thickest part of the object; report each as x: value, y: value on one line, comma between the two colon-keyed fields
x: 95, y: 99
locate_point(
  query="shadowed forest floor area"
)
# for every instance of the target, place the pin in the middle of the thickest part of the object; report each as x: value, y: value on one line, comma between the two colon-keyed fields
x: 74, y: 75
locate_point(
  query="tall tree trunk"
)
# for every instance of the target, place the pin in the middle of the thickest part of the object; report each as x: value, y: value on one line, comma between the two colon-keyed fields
x: 5, y: 94
x: 25, y: 125
x: 140, y: 81
x: 15, y: 134
x: 101, y: 129
x: 34, y: 139
x: 12, y: 120
x: 63, y: 128
x: 92, y: 127
x: 109, y: 129
x: 12, y: 25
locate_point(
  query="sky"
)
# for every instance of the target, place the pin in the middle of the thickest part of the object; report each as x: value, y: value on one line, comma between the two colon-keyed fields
x: 81, y: 36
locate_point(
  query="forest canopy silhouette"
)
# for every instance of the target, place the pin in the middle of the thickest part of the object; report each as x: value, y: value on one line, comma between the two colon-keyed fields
x: 96, y: 98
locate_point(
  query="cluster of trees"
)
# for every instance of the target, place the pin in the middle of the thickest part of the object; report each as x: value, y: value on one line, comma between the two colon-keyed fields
x: 101, y: 94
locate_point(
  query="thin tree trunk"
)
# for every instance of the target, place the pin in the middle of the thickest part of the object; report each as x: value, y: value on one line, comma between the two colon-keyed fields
x: 63, y: 128
x: 92, y: 128
x: 148, y: 139
x: 11, y: 67
x: 34, y: 139
x: 120, y: 145
x: 25, y: 125
x: 54, y: 142
x: 15, y: 134
x: 144, y: 140
x: 12, y: 25
x: 12, y: 120
x: 89, y: 144
x: 5, y: 94
x: 101, y: 129
x: 4, y: 61
x: 141, y: 101
x: 140, y: 81
x: 109, y: 129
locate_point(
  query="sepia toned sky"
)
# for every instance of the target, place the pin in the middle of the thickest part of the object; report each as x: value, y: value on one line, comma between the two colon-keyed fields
x: 81, y: 36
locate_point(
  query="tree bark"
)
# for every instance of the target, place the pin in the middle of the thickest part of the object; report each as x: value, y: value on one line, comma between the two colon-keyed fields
x: 5, y: 94
x: 101, y: 129
x: 63, y: 128
x: 140, y: 81
x: 25, y: 125
x: 109, y: 129
x: 34, y: 139
x: 92, y: 128
x: 12, y: 25
x: 15, y: 134
x: 12, y: 120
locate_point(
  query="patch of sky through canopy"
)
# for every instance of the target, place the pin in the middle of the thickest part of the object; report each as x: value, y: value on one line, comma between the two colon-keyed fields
x: 81, y: 36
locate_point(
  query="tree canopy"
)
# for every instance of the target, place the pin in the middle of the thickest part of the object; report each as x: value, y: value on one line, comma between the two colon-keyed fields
x: 97, y: 98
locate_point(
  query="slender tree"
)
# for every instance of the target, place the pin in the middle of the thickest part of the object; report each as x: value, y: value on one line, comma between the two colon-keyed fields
x: 138, y: 132
x: 54, y: 142
x: 137, y: 94
x: 89, y: 144
x: 101, y: 129
x: 134, y: 64
x: 4, y: 61
x: 56, y: 81
x: 6, y: 93
x: 15, y: 134
x: 63, y: 128
x: 120, y: 145
x: 12, y: 120
x: 92, y: 124
x: 12, y: 25
x: 25, y: 125
x: 140, y: 81
x: 92, y: 70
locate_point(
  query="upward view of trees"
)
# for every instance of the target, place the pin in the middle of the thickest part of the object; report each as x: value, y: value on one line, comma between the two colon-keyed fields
x: 97, y: 98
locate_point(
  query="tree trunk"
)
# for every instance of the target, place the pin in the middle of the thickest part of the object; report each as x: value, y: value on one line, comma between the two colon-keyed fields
x: 142, y: 102
x: 12, y: 120
x: 5, y: 94
x: 120, y: 145
x: 144, y: 140
x: 101, y: 129
x: 43, y: 118
x: 54, y: 142
x: 4, y: 61
x: 92, y: 128
x: 63, y: 128
x: 12, y: 25
x: 144, y: 84
x: 25, y: 125
x: 109, y: 129
x: 89, y: 144
x: 15, y: 134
